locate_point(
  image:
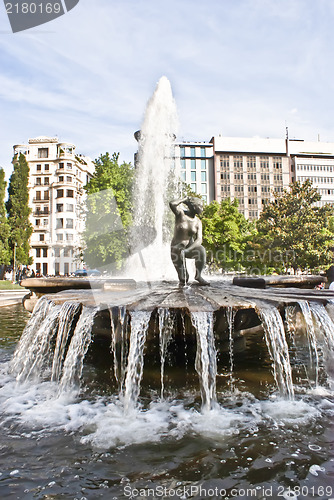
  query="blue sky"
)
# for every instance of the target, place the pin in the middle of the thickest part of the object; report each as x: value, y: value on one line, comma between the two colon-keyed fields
x: 237, y: 67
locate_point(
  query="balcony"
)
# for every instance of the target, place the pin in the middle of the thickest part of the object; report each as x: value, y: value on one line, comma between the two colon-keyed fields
x: 39, y: 200
x: 41, y: 213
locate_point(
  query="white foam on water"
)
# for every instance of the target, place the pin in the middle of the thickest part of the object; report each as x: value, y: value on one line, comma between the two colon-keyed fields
x: 290, y: 412
x: 104, y: 424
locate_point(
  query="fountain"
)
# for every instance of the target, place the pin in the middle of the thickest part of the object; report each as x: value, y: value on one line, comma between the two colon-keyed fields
x: 133, y: 387
x: 164, y: 326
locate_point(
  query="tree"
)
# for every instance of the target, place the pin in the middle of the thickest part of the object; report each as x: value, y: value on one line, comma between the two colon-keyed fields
x: 224, y: 234
x: 18, y: 210
x: 108, y: 212
x: 293, y: 232
x: 4, y: 226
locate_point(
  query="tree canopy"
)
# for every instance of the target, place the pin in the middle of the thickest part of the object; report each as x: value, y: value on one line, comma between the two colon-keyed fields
x: 108, y: 212
x: 4, y: 226
x: 224, y: 234
x: 294, y: 232
x: 18, y: 210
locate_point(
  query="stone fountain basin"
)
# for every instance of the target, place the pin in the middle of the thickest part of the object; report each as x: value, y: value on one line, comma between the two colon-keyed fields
x: 109, y: 296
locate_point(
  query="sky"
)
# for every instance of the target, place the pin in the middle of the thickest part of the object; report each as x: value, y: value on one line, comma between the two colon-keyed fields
x: 240, y: 68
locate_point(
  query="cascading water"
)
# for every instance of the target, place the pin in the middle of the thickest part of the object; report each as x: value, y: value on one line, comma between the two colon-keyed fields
x: 206, y: 357
x: 28, y: 338
x: 230, y: 315
x: 31, y: 357
x: 135, y: 366
x: 313, y: 347
x: 119, y: 337
x: 325, y: 330
x: 67, y: 315
x: 78, y: 347
x: 157, y: 182
x: 36, y: 358
x: 166, y: 328
x: 278, y: 349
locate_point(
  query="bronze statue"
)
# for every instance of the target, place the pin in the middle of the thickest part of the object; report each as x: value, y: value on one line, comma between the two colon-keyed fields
x: 187, y: 239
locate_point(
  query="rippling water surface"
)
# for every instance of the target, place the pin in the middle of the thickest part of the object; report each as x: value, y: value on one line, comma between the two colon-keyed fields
x: 252, y: 444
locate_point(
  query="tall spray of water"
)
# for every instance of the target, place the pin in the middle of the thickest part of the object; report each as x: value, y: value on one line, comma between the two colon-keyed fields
x: 157, y: 182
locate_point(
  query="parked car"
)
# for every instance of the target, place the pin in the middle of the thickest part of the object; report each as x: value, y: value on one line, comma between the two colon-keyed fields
x: 80, y: 273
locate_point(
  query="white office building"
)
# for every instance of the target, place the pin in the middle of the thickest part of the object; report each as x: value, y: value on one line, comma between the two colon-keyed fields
x: 56, y: 180
x: 314, y: 161
x: 251, y: 170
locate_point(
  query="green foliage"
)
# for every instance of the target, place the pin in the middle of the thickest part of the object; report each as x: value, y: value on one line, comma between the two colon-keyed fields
x: 4, y: 226
x: 18, y: 210
x: 108, y: 212
x: 225, y: 231
x: 293, y: 232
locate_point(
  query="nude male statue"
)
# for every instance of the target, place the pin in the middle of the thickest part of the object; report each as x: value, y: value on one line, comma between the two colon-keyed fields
x: 187, y: 239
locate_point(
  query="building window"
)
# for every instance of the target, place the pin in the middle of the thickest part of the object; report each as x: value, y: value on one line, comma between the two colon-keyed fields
x: 38, y: 181
x: 41, y: 237
x: 37, y: 222
x: 203, y: 152
x: 59, y: 223
x: 57, y: 252
x: 69, y: 237
x: 46, y: 195
x: 69, y: 193
x: 61, y: 178
x: 203, y: 164
x: 60, y: 237
x: 66, y: 268
x: 38, y: 195
x: 193, y: 176
x: 183, y: 176
x: 193, y: 164
x: 183, y: 163
x: 61, y: 165
x: 68, y: 178
x: 277, y: 162
x: 69, y: 223
x: 45, y: 222
x: 57, y: 268
x: 60, y: 193
x: 59, y: 207
x: 193, y: 187
x: 204, y: 188
x: 69, y: 166
x: 46, y: 181
x: 192, y: 152
x: 224, y: 161
x: 69, y: 207
x: 203, y: 176
x: 43, y: 152
x: 46, y: 167
x: 264, y: 162
x: 67, y: 252
x: 182, y: 151
x: 38, y: 252
x: 237, y: 161
x: 38, y: 168
x: 45, y: 252
x: 251, y: 162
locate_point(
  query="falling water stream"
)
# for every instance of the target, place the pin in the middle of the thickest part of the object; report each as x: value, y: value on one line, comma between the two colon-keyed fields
x: 59, y: 444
